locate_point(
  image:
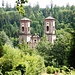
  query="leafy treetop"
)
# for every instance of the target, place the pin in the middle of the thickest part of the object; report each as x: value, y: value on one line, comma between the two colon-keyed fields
x: 20, y: 6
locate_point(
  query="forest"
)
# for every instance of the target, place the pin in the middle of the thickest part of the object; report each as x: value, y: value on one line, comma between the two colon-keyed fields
x: 20, y: 59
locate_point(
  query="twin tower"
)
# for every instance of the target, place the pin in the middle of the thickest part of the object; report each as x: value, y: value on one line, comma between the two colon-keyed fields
x: 49, y: 30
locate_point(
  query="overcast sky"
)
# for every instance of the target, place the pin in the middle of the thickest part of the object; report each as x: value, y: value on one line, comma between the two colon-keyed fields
x: 44, y: 3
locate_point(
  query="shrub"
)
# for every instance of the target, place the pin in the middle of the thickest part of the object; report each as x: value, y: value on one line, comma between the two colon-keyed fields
x: 13, y: 73
x: 50, y: 70
x: 57, y: 70
x: 71, y: 68
x: 14, y: 59
x: 53, y: 70
x: 22, y: 68
x: 6, y: 66
x: 0, y: 72
x: 66, y: 69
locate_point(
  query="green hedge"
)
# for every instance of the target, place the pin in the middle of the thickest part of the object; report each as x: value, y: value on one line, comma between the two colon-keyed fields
x: 52, y: 70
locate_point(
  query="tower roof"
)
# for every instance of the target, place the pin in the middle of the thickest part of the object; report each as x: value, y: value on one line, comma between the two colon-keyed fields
x: 50, y: 18
x: 25, y: 19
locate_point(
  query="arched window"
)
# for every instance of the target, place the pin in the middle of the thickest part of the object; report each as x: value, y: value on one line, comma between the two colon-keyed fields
x: 47, y: 28
x: 22, y: 28
x: 34, y: 41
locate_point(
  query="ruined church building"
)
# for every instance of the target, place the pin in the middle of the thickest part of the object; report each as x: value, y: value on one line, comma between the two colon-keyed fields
x: 49, y: 30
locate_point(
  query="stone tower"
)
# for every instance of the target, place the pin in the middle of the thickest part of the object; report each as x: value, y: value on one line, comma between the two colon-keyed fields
x: 49, y: 28
x: 24, y: 30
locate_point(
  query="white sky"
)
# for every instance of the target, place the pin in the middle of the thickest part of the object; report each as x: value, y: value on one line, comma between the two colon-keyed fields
x: 43, y: 3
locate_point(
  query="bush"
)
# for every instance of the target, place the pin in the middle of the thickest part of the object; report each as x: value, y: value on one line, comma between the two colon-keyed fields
x: 53, y: 70
x: 65, y: 68
x: 22, y: 68
x: 50, y: 70
x: 57, y: 70
x: 0, y: 72
x: 14, y: 59
x: 13, y: 73
x: 71, y: 68
x: 6, y: 66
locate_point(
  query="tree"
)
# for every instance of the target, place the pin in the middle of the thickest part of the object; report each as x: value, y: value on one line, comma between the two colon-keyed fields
x: 44, y: 48
x: 15, y: 60
x: 72, y: 51
x: 4, y: 38
x: 1, y: 48
x: 22, y: 68
x: 61, y: 48
x: 71, y: 58
x: 20, y: 6
x: 6, y: 66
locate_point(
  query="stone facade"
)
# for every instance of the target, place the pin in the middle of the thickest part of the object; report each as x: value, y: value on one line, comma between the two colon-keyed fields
x: 25, y: 30
x: 34, y: 41
x: 26, y: 35
x: 49, y: 30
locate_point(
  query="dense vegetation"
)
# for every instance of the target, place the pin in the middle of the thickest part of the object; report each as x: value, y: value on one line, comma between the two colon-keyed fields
x: 24, y: 60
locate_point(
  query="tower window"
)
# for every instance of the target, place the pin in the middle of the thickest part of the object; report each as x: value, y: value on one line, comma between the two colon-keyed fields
x: 22, y: 28
x: 47, y: 23
x: 47, y: 28
x: 34, y: 41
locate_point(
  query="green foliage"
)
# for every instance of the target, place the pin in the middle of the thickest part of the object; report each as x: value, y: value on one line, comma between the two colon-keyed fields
x: 57, y: 70
x: 49, y: 70
x: 44, y: 48
x: 52, y: 70
x: 73, y: 72
x: 71, y: 57
x: 22, y: 68
x: 71, y: 68
x: 20, y: 9
x: 25, y: 47
x: 61, y: 48
x: 14, y: 41
x: 9, y: 23
x: 1, y: 48
x: 6, y: 66
x: 72, y: 51
x: 65, y: 21
x: 58, y: 53
x: 65, y: 69
x: 13, y: 28
x: 15, y: 60
x: 4, y: 38
x: 1, y: 10
x: 20, y: 6
x: 37, y: 15
x: 13, y: 73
